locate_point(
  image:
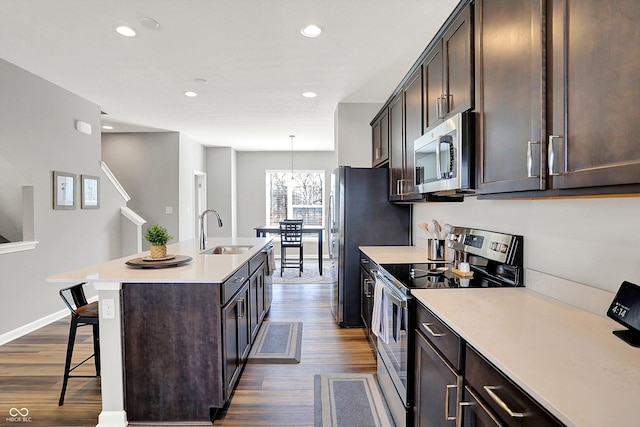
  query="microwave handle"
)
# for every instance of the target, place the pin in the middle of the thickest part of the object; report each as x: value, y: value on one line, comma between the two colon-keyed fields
x: 447, y: 139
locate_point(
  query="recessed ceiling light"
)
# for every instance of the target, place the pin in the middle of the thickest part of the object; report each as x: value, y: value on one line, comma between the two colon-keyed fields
x: 125, y: 31
x: 150, y: 23
x: 200, y: 81
x: 107, y: 127
x: 311, y: 30
x: 309, y: 94
x: 190, y: 94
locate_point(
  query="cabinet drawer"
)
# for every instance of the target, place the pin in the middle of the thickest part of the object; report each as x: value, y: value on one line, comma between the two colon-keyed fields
x: 444, y: 339
x: 511, y: 404
x: 255, y: 262
x: 234, y: 283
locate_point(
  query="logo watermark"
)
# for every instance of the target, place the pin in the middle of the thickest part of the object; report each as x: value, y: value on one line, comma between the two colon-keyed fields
x: 18, y: 415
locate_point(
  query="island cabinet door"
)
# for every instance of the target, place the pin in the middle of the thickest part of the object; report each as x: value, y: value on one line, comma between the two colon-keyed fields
x: 235, y: 326
x: 172, y: 351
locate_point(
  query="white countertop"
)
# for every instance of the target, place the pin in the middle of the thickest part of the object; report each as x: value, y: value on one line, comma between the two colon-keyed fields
x: 203, y: 268
x: 396, y: 254
x: 564, y: 357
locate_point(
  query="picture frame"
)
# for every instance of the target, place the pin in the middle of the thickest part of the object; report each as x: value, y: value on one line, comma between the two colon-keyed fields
x: 64, y: 189
x: 90, y: 192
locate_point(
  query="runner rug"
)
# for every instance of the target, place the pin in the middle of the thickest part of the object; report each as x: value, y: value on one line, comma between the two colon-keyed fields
x: 277, y: 342
x: 349, y: 400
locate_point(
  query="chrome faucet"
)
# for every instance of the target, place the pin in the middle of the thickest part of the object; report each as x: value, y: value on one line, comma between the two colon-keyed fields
x: 203, y: 235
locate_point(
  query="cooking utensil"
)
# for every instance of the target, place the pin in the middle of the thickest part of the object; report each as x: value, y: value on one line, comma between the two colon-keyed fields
x: 446, y: 230
x: 431, y: 227
x: 425, y: 228
x: 438, y: 229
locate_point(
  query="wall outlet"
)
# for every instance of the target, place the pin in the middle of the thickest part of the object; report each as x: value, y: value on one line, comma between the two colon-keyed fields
x: 108, y: 309
x: 168, y: 210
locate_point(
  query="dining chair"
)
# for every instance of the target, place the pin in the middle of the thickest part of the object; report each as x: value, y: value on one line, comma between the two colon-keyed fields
x: 82, y: 314
x: 291, y: 237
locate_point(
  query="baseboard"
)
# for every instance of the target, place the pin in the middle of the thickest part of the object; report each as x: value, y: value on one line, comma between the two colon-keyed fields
x: 35, y: 325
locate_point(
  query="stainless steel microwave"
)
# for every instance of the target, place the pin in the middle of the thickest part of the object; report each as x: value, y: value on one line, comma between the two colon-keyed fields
x: 444, y: 157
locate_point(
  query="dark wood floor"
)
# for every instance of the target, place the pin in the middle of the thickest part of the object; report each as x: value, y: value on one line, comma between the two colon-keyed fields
x: 267, y: 395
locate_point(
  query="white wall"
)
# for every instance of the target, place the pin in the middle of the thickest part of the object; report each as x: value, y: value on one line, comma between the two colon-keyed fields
x: 592, y: 241
x: 37, y: 137
x: 352, y: 133
x: 147, y: 166
x: 192, y: 159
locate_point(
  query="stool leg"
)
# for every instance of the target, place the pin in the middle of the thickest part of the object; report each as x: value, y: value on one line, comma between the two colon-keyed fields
x: 283, y: 257
x: 96, y: 348
x: 67, y: 365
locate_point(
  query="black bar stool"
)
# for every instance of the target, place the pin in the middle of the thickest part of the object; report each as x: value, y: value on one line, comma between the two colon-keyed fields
x: 82, y: 314
x: 290, y: 237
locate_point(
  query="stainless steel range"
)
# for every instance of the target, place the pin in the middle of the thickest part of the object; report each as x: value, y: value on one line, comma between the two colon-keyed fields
x: 494, y: 260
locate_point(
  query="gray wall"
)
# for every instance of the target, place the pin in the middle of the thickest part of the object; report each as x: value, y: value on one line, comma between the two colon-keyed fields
x: 251, y: 183
x: 221, y: 191
x: 147, y: 166
x: 352, y: 133
x: 37, y: 137
x: 591, y: 241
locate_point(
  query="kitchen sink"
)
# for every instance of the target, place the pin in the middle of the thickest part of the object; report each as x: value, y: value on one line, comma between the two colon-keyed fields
x: 227, y: 250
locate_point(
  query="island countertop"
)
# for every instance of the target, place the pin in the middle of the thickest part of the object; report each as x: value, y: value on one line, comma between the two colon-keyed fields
x: 202, y: 269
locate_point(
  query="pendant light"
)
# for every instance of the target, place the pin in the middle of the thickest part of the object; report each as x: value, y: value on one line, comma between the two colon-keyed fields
x: 291, y: 183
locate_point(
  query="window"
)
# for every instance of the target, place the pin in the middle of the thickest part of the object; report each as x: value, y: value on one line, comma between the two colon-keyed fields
x: 300, y: 196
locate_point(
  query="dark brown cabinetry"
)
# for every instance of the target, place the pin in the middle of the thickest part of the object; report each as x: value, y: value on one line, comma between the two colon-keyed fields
x: 256, y: 294
x: 594, y: 93
x: 491, y: 399
x: 509, y: 94
x: 396, y: 148
x: 236, y: 338
x: 457, y: 69
x: 438, y: 358
x: 367, y: 287
x: 380, y: 138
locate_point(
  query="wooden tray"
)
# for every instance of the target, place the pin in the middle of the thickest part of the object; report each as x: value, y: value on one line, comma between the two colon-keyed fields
x: 461, y: 273
x: 169, y: 263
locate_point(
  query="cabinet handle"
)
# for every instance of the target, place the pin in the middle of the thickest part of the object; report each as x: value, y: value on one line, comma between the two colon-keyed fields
x: 241, y: 302
x: 530, y: 159
x: 240, y: 280
x: 427, y: 326
x: 551, y: 154
x: 446, y: 403
x: 398, y: 188
x: 490, y: 391
x: 378, y: 152
x: 364, y: 261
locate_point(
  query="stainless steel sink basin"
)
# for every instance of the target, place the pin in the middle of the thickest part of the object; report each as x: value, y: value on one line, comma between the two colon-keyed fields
x: 227, y: 250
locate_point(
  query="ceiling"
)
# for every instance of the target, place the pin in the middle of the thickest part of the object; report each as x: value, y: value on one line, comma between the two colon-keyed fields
x: 250, y: 52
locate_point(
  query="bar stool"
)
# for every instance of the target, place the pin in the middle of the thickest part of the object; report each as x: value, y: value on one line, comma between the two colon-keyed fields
x: 82, y: 314
x: 291, y: 237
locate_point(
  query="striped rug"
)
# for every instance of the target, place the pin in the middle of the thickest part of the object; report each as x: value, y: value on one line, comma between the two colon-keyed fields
x: 349, y: 400
x: 277, y: 342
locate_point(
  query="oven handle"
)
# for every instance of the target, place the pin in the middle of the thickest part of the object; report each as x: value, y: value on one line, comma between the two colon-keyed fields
x: 389, y: 289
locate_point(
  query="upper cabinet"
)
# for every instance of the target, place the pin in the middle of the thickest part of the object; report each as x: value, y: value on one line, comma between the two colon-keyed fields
x: 509, y: 61
x: 380, y: 138
x: 448, y: 71
x: 594, y: 93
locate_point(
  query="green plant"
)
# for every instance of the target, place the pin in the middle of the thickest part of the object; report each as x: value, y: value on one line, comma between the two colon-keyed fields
x: 157, y: 235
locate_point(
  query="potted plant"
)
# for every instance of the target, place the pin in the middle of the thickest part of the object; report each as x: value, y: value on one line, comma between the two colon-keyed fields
x: 158, y: 236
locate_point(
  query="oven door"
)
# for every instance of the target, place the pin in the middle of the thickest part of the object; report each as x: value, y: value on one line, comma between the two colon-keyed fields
x: 393, y: 336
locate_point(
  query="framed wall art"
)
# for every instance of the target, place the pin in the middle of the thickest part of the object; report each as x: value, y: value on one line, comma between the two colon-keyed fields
x: 90, y: 192
x: 64, y: 187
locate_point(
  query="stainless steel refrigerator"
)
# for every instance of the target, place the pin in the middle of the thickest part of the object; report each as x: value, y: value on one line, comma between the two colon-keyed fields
x: 360, y: 214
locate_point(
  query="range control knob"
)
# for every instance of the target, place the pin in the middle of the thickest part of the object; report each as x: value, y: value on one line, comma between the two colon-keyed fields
x: 503, y: 248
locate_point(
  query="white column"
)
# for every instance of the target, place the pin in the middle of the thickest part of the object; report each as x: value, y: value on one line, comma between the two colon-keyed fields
x: 112, y: 364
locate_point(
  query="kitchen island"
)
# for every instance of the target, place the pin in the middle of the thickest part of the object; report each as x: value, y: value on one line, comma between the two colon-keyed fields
x: 174, y: 340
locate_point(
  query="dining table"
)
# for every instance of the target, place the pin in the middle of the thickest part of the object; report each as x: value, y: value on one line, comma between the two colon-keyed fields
x: 306, y: 229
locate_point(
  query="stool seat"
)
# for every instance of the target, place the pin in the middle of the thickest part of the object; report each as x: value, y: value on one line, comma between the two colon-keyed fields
x: 82, y: 314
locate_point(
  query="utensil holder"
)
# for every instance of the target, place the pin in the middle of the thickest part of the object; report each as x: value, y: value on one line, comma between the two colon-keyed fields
x: 436, y: 249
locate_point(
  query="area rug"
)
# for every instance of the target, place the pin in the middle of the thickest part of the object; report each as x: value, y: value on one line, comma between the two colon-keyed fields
x: 349, y: 400
x: 277, y: 342
x: 309, y: 275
